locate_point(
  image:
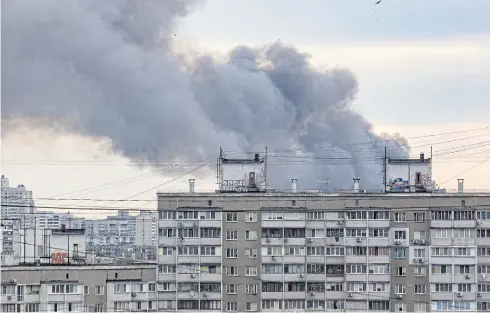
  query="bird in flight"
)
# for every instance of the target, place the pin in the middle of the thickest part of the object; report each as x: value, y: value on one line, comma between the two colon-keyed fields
x: 379, y: 1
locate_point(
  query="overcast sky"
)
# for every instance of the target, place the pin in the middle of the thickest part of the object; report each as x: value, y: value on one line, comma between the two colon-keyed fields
x: 423, y: 68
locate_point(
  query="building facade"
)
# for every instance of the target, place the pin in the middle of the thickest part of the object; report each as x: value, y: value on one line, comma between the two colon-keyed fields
x: 95, y: 288
x: 297, y: 251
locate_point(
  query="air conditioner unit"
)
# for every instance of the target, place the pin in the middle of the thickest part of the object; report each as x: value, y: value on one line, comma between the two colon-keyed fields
x: 312, y: 293
x: 340, y: 222
x: 460, y: 294
x: 181, y: 224
x: 310, y: 240
x: 285, y: 240
x: 399, y: 296
x: 422, y: 241
x: 268, y: 240
x: 13, y: 281
x: 483, y: 275
x: 478, y: 222
x: 133, y: 294
x: 274, y: 258
x: 204, y: 295
x: 301, y: 275
x: 349, y: 295
x: 415, y: 260
x: 467, y: 277
x: 415, y: 241
x: 359, y: 239
x: 478, y: 295
x: 195, y: 224
x: 421, y: 260
x: 192, y: 275
x: 9, y: 298
x: 397, y: 242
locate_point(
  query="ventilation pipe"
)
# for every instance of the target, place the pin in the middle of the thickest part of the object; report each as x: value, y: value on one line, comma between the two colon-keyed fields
x: 256, y: 157
x: 422, y: 157
x: 356, y: 185
x: 294, y: 184
x: 191, y: 185
x: 460, y: 185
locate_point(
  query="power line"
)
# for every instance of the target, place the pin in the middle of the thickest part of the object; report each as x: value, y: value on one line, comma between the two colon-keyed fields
x: 465, y: 171
x: 423, y: 208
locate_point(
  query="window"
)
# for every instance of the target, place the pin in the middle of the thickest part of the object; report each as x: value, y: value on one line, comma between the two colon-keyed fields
x: 273, y: 287
x: 464, y: 215
x: 356, y: 232
x: 441, y: 251
x: 250, y: 253
x: 379, y: 305
x: 315, y: 233
x: 210, y: 233
x: 118, y: 288
x: 379, y: 232
x: 188, y: 215
x: 356, y: 268
x: 231, y: 289
x: 441, y: 215
x: 86, y: 290
x: 188, y: 233
x: 419, y: 235
x: 464, y: 287
x: 294, y: 250
x: 463, y: 269
x: 334, y: 233
x: 231, y: 235
x: 419, y: 253
x: 462, y: 233
x: 419, y: 307
x: 419, y: 217
x: 231, y: 271
x: 378, y: 215
x: 232, y: 217
x: 399, y: 307
x: 207, y: 250
x: 251, y: 306
x: 442, y: 269
x: 444, y: 305
x: 231, y: 306
x: 355, y: 287
x: 165, y: 250
x: 400, y: 217
x: 250, y: 271
x: 208, y: 215
x: 332, y: 251
x: 419, y: 271
x: 418, y: 177
x: 463, y: 251
x: 379, y: 251
x: 251, y: 217
x: 10, y: 289
x: 400, y: 235
x: 251, y: 235
x: 483, y: 287
x: 251, y: 289
x: 380, y: 287
x: 379, y: 269
x: 231, y: 253
x: 483, y: 233
x: 420, y: 289
x: 356, y: 215
x: 443, y: 288
x: 151, y: 287
x: 315, y: 215
x: 483, y: 215
x: 400, y: 253
x: 400, y: 289
x: 400, y: 271
x: 29, y: 307
x: 166, y: 269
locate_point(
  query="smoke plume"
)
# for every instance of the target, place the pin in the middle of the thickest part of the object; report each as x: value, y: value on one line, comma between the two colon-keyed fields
x: 105, y: 69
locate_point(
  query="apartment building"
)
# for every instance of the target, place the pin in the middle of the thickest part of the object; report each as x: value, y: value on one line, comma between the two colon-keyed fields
x: 385, y: 252
x: 246, y: 249
x: 83, y: 288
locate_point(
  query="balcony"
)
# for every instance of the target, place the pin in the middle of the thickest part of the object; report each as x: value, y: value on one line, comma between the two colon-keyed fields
x: 68, y: 231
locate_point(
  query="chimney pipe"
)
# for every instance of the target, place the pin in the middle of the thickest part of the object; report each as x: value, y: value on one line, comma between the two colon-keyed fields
x: 356, y: 185
x: 256, y: 157
x: 191, y: 185
x: 460, y: 185
x: 294, y: 184
x: 422, y: 157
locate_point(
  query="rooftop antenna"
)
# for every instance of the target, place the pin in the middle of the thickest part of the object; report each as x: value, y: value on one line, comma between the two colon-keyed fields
x: 326, y: 182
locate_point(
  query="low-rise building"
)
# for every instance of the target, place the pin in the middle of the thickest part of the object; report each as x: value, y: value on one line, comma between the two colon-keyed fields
x: 79, y: 288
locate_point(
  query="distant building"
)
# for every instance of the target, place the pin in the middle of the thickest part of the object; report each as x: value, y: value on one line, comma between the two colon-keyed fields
x: 17, y: 203
x: 83, y: 288
x: 146, y: 233
x: 48, y: 246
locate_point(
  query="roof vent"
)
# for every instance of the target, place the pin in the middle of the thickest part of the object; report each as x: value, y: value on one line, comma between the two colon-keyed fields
x: 460, y: 185
x: 422, y: 157
x: 356, y: 185
x: 256, y: 159
x: 191, y: 185
x: 294, y: 184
